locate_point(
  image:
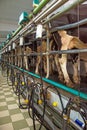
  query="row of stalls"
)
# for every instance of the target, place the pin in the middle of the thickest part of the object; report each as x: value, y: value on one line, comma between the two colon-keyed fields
x: 45, y: 62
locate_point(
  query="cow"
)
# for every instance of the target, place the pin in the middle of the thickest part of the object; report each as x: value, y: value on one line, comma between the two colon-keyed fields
x: 18, y: 57
x: 42, y: 49
x: 69, y: 42
x: 27, y: 51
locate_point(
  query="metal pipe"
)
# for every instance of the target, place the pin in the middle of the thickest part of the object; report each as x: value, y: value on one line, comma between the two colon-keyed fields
x: 55, y: 84
x: 45, y: 8
x: 30, y: 16
x: 47, y: 56
x: 49, y: 10
x: 69, y: 5
x: 40, y: 6
x: 68, y: 51
x: 69, y: 26
x: 58, y: 52
x: 18, y: 29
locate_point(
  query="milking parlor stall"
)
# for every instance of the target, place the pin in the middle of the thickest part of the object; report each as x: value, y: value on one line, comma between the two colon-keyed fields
x: 45, y: 62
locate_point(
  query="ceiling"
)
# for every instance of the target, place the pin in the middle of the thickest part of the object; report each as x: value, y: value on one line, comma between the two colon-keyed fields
x: 10, y: 10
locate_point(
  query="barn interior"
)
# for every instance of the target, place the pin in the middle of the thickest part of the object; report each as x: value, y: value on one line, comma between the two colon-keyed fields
x: 43, y: 65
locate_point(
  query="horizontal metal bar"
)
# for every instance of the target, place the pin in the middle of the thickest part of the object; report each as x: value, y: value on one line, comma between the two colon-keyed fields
x: 54, y: 52
x: 70, y: 26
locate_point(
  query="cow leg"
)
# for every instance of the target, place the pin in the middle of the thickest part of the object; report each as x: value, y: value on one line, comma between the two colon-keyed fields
x: 37, y: 64
x: 47, y: 68
x: 85, y: 64
x: 18, y: 61
x: 63, y: 64
x: 75, y: 74
x: 56, y: 58
x: 26, y: 62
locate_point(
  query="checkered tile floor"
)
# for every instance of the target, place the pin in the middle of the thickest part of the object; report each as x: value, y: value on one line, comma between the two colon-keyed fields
x: 11, y: 117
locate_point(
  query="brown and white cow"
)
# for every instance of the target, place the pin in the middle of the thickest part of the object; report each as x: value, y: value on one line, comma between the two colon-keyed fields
x: 42, y: 49
x: 69, y: 42
x: 27, y: 51
x: 18, y: 57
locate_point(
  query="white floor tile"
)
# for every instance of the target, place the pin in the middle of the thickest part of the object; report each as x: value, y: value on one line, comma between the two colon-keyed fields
x: 7, y: 93
x: 10, y: 99
x: 17, y: 117
x: 13, y: 106
x: 6, y: 127
x: 3, y: 104
x: 4, y: 113
x: 1, y: 97
x: 25, y: 128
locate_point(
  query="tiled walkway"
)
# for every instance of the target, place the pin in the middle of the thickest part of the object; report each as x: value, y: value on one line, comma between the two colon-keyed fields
x: 11, y: 117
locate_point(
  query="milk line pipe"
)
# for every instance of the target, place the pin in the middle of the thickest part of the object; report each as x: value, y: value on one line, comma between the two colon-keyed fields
x: 55, y: 84
x: 18, y: 29
x: 40, y: 6
x: 65, y: 9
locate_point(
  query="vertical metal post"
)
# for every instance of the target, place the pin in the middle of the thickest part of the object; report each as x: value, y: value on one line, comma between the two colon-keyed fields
x: 48, y: 52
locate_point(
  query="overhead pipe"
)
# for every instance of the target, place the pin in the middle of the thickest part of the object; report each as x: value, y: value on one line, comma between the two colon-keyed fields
x: 18, y: 29
x: 50, y: 8
x: 44, y: 9
x: 30, y: 16
x: 70, y: 26
x: 69, y: 5
x: 36, y: 10
x: 40, y: 6
x: 55, y: 84
x: 34, y: 20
